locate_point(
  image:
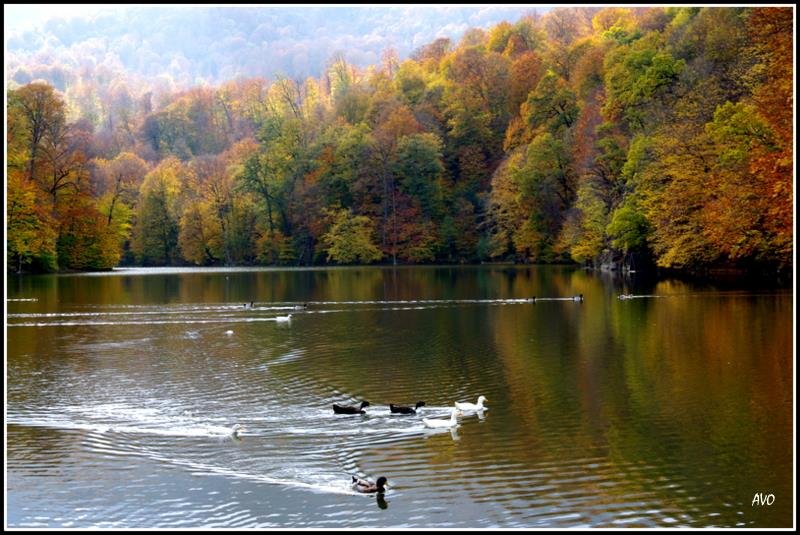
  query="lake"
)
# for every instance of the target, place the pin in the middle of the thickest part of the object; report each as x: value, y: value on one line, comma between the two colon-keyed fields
x: 671, y: 408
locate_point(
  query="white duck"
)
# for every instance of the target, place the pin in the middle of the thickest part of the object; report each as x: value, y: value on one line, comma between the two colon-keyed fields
x: 439, y: 423
x: 462, y: 406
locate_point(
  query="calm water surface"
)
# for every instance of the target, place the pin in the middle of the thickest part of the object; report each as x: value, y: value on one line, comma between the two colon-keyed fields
x: 669, y: 409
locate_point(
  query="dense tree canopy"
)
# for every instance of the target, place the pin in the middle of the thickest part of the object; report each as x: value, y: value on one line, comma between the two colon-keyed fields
x: 587, y: 135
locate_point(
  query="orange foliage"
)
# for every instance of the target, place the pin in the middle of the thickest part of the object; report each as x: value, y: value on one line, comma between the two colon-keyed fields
x: 772, y: 30
x: 524, y: 75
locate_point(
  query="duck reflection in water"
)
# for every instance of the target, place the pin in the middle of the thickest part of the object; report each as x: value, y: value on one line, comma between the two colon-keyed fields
x: 441, y: 430
x: 382, y: 503
x: 480, y: 413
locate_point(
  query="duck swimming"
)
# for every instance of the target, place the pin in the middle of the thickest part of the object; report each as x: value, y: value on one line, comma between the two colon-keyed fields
x: 238, y: 428
x: 350, y: 409
x: 439, y: 423
x: 362, y: 485
x: 397, y: 409
x: 462, y: 406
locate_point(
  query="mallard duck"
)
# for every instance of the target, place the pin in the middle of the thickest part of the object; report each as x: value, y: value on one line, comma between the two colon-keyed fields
x: 462, y: 406
x: 397, y: 409
x: 350, y: 409
x: 439, y: 423
x: 362, y: 485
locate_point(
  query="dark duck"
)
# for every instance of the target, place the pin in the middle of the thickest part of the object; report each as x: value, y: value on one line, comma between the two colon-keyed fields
x: 362, y: 485
x: 398, y: 409
x: 350, y: 409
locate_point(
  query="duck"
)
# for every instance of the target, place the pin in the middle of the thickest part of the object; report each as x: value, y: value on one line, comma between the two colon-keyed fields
x: 463, y: 406
x: 248, y: 305
x: 578, y: 297
x: 301, y: 307
x: 350, y: 409
x: 236, y: 429
x: 397, y: 409
x: 363, y: 485
x: 280, y: 319
x: 439, y: 423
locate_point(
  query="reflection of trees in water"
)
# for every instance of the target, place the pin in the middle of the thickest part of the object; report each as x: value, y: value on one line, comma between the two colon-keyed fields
x: 702, y: 375
x: 684, y: 389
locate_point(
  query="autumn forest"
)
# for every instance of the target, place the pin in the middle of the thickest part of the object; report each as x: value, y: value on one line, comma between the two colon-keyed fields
x: 600, y: 136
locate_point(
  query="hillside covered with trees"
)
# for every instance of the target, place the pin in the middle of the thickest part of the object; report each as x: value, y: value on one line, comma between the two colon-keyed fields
x: 582, y: 135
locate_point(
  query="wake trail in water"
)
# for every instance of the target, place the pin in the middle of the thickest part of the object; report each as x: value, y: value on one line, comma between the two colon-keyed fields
x: 226, y: 313
x: 330, y: 487
x: 200, y: 431
x: 112, y: 426
x: 149, y: 322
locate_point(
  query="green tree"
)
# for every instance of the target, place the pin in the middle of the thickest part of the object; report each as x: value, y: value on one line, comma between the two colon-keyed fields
x: 551, y: 106
x: 155, y: 236
x: 588, y: 240
x: 639, y: 80
x: 628, y: 229
x: 419, y: 168
x: 350, y: 239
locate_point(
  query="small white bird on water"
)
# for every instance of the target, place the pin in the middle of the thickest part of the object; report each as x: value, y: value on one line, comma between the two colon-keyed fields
x: 462, y: 406
x: 439, y: 423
